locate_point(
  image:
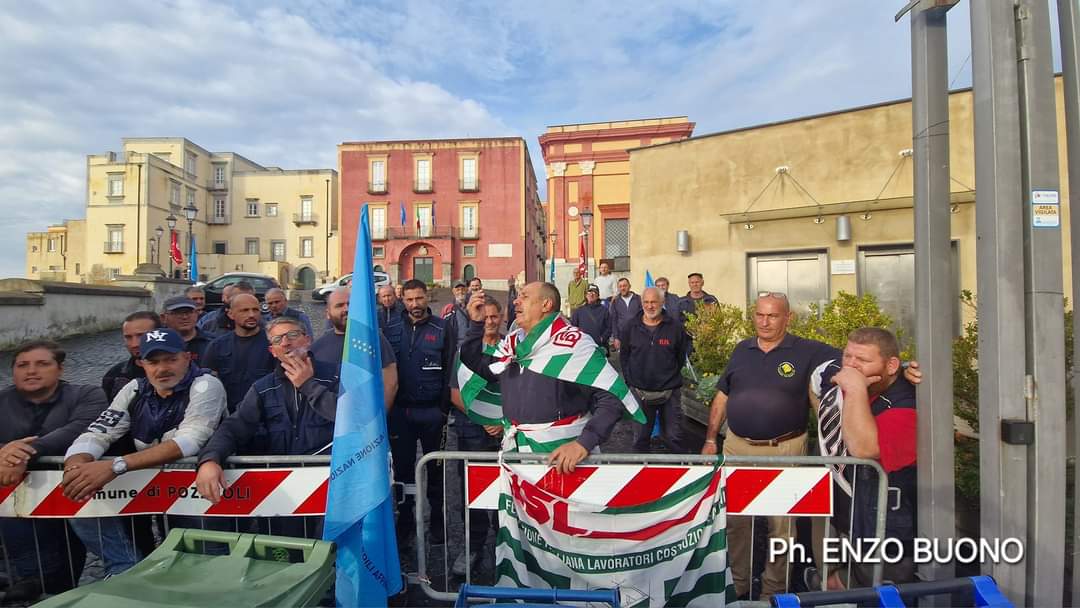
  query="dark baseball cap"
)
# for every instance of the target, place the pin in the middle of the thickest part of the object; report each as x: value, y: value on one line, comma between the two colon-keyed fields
x: 593, y: 288
x: 161, y: 340
x: 178, y: 302
x: 460, y: 283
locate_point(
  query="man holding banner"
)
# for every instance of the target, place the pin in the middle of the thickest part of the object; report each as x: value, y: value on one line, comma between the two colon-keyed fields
x: 553, y: 390
x: 559, y: 393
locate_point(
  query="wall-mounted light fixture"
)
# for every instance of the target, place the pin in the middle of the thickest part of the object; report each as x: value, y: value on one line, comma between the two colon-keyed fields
x: 682, y: 241
x: 843, y: 228
x: 748, y: 226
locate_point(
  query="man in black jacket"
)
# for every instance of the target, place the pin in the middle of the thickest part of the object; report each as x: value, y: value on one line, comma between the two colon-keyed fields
x: 654, y: 347
x: 592, y: 317
x: 289, y: 412
x: 625, y: 306
x: 134, y: 328
x: 242, y: 356
x: 532, y: 397
x: 42, y: 415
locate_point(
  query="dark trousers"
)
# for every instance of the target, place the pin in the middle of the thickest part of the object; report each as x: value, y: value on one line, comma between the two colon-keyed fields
x: 671, y: 425
x: 473, y: 438
x: 43, y: 549
x: 428, y: 426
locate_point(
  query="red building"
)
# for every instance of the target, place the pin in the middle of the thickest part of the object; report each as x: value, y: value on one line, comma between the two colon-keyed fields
x: 444, y: 209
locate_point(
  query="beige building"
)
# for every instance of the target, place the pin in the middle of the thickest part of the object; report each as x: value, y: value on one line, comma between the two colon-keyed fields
x: 57, y: 253
x: 249, y: 217
x: 810, y: 207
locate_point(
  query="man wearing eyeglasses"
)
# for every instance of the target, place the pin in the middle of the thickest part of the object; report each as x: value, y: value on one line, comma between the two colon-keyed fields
x: 288, y: 412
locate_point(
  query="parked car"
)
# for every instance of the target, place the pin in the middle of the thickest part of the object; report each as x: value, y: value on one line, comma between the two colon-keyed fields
x: 261, y: 282
x: 321, y: 292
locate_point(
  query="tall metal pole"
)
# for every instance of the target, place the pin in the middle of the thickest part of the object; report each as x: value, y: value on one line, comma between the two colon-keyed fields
x: 1000, y: 270
x: 1044, y: 297
x: 327, y: 268
x: 1069, y: 27
x: 933, y: 279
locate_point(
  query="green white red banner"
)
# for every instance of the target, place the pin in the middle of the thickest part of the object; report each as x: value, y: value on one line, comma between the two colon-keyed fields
x: 659, y: 549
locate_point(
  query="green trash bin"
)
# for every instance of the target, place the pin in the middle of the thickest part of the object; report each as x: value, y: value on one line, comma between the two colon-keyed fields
x: 259, y: 570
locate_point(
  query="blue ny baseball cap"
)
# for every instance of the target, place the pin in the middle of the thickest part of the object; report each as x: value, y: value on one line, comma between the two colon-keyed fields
x: 161, y: 340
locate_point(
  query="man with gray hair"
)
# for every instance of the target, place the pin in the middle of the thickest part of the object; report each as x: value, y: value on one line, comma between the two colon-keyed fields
x: 654, y: 347
x: 278, y: 306
x: 197, y: 295
x: 390, y: 307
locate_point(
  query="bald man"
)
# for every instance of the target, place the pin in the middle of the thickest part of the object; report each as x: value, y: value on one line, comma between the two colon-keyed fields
x: 242, y: 356
x: 278, y: 306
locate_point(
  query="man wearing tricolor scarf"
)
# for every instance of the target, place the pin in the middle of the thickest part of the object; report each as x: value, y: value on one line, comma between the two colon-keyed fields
x: 547, y: 382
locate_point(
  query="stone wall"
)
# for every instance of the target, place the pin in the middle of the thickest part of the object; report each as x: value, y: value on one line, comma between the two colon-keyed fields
x: 43, y: 309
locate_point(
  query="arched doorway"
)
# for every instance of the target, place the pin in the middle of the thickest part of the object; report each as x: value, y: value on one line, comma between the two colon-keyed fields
x: 468, y: 272
x: 306, y: 278
x: 379, y: 268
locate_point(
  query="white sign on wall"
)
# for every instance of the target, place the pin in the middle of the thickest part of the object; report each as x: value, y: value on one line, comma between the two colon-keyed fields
x: 500, y: 250
x: 843, y: 266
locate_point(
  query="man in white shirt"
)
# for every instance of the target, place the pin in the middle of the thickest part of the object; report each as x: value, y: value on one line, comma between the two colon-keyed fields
x: 605, y: 282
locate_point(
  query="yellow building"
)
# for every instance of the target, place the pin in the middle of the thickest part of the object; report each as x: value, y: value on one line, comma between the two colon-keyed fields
x: 57, y: 253
x: 588, y: 170
x: 766, y: 207
x: 249, y: 217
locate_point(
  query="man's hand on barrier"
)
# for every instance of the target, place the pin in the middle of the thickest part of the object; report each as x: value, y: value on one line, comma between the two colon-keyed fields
x: 83, y: 480
x: 709, y: 449
x: 566, y: 456
x: 17, y: 451
x: 494, y: 430
x: 210, y: 480
x: 11, y: 475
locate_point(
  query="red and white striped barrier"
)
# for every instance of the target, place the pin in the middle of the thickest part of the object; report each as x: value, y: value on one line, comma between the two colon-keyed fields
x: 750, y: 490
x: 251, y: 492
x: 302, y: 491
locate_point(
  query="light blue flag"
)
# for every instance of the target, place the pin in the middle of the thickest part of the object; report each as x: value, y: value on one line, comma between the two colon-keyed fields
x: 359, y: 512
x: 193, y: 262
x: 403, y: 219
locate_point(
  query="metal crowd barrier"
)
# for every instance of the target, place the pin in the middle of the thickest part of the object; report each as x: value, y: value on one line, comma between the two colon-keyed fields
x: 152, y: 529
x: 426, y: 579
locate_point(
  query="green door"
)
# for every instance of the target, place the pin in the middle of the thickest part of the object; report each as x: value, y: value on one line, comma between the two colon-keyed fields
x: 306, y: 276
x: 424, y: 269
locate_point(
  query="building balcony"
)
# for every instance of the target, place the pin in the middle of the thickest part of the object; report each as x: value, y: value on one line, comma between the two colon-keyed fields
x: 411, y: 233
x: 468, y: 185
x: 305, y: 218
x: 217, y: 186
x: 425, y: 186
x: 378, y: 234
x: 217, y: 220
x: 469, y: 233
x: 377, y: 188
x: 113, y: 247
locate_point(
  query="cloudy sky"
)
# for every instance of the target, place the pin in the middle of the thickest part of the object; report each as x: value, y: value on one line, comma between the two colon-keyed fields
x: 284, y: 82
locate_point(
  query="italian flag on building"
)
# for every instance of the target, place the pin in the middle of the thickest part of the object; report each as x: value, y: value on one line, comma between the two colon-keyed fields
x: 660, y: 538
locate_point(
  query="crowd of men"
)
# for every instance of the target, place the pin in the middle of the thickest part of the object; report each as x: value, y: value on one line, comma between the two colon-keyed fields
x: 244, y: 380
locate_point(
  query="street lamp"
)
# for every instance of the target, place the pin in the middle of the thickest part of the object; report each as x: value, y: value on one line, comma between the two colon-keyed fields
x: 190, y: 212
x: 586, y: 223
x: 553, y: 235
x: 171, y: 222
x: 157, y: 248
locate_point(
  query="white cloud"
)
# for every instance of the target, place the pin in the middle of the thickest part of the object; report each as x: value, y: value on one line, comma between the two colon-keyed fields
x: 77, y: 77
